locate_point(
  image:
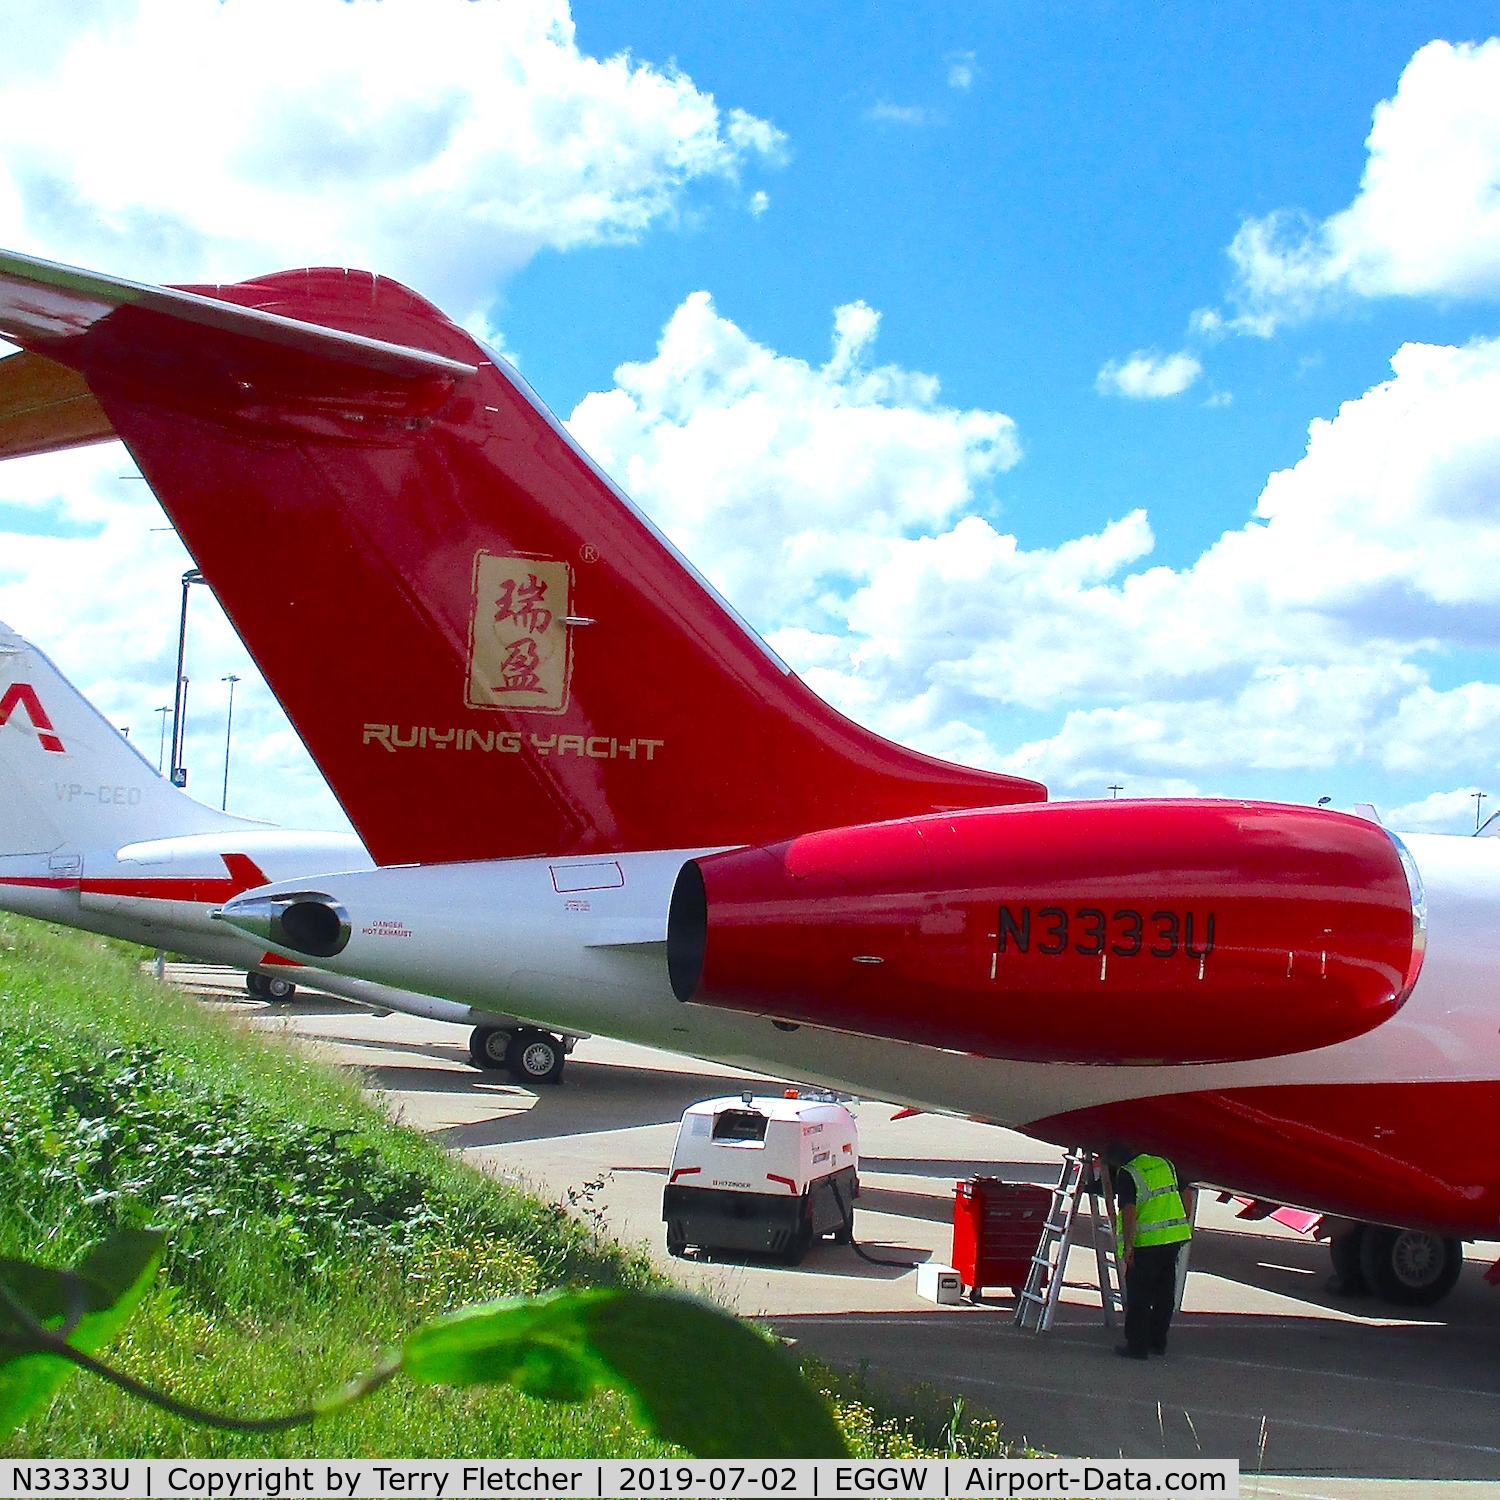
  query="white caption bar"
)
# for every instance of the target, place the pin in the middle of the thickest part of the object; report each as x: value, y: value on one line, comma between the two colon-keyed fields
x: 447, y: 1479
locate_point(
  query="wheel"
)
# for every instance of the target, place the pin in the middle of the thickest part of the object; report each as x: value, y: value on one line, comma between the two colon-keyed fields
x: 796, y: 1247
x: 1409, y: 1266
x: 269, y: 986
x: 535, y: 1057
x: 844, y: 1234
x: 1343, y: 1250
x: 489, y: 1047
x: 676, y: 1245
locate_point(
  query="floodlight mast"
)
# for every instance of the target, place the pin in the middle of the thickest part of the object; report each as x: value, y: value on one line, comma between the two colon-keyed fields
x: 228, y: 730
x: 179, y: 701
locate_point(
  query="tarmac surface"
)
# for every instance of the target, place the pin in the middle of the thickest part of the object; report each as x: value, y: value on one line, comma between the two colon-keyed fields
x: 1265, y: 1364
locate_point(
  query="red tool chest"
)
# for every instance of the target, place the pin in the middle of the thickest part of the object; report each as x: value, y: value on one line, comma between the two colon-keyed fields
x: 996, y: 1229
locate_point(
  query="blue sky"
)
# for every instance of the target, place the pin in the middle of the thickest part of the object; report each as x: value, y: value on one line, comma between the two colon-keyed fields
x: 1027, y: 559
x: 1073, y: 204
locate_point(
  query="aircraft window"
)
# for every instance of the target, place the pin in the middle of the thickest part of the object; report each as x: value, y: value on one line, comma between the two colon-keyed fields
x: 739, y: 1125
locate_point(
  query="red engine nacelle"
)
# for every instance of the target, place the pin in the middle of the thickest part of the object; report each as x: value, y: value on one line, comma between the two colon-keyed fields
x: 1104, y: 932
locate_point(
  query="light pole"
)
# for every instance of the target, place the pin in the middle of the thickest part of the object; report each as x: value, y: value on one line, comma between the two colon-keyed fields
x: 179, y: 701
x: 1478, y: 803
x: 161, y: 744
x: 228, y: 727
x: 1114, y: 789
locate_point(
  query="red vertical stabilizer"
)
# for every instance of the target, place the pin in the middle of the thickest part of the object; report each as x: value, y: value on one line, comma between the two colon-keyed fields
x: 487, y: 649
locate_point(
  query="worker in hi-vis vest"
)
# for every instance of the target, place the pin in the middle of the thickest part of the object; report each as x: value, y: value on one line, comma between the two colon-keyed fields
x: 1154, y: 1220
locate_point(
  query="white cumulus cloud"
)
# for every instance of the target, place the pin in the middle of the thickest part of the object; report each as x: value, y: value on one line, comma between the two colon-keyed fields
x: 1148, y: 376
x: 842, y: 507
x: 1441, y: 812
x: 783, y: 479
x: 1426, y: 217
x: 440, y: 142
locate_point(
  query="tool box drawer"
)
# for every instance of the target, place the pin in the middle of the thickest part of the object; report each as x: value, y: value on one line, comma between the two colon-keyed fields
x: 996, y: 1229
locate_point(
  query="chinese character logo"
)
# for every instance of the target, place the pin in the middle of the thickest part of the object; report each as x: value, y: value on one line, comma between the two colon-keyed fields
x: 519, y: 651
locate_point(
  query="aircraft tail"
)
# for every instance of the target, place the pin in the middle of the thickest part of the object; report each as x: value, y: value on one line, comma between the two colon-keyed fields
x: 69, y: 780
x: 488, y: 650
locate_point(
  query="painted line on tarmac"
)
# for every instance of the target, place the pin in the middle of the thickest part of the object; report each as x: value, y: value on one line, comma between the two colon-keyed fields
x: 1114, y: 1399
x: 1182, y: 1358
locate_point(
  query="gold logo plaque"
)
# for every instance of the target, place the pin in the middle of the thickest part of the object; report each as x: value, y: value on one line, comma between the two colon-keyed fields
x: 520, y: 655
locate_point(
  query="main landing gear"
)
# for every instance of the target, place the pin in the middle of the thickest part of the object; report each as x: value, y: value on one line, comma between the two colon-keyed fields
x: 1409, y: 1267
x: 529, y: 1055
x: 269, y: 986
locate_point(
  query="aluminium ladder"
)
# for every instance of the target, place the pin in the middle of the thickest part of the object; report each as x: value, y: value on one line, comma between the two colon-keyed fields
x: 1083, y: 1175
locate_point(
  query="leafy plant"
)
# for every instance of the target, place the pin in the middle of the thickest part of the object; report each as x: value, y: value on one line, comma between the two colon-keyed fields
x: 696, y: 1376
x: 51, y: 1320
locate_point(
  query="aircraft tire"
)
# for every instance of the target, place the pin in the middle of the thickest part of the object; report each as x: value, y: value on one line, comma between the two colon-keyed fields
x: 489, y: 1048
x: 535, y: 1057
x: 1343, y: 1251
x: 269, y: 986
x: 1409, y: 1266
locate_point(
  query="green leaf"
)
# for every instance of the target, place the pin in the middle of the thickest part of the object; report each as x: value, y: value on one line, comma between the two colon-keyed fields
x: 539, y: 1344
x: 708, y: 1382
x: 696, y: 1376
x: 97, y: 1298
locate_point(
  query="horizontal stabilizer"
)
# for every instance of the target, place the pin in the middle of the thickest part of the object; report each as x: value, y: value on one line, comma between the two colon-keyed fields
x: 43, y: 303
x: 45, y: 406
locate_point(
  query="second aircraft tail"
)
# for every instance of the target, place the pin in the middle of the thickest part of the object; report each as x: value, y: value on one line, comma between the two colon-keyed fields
x: 69, y: 780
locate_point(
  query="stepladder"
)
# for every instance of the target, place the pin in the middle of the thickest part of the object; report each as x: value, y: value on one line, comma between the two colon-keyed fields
x: 1082, y: 1203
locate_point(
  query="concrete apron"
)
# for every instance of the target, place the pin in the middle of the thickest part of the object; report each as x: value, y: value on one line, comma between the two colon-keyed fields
x: 1265, y: 1364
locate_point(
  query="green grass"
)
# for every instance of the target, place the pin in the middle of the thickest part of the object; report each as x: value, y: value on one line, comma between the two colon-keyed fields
x: 307, y: 1232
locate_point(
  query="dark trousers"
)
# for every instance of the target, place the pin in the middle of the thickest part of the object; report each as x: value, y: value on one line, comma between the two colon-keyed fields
x: 1150, y: 1291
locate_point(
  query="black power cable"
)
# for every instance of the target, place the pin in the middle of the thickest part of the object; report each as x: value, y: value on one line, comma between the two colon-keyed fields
x: 875, y: 1260
x: 847, y: 1209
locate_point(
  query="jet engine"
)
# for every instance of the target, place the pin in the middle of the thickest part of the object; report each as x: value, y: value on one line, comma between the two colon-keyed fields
x: 1144, y: 932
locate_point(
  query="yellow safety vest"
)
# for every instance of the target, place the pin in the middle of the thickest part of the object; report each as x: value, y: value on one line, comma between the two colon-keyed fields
x: 1160, y: 1216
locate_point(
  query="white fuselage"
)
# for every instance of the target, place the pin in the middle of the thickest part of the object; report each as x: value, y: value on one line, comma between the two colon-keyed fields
x: 582, y: 944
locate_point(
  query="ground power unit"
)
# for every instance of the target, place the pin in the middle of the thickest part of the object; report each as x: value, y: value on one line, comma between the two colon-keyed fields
x: 762, y: 1176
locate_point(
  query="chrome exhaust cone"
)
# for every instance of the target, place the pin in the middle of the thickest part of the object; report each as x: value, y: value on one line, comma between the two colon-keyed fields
x: 307, y: 922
